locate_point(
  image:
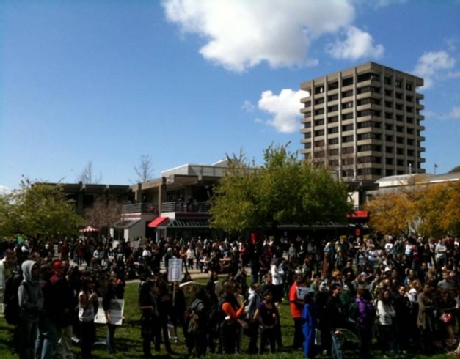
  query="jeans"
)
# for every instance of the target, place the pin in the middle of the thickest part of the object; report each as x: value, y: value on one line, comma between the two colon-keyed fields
x: 110, y: 339
x: 47, y: 338
x: 27, y: 335
x: 336, y: 346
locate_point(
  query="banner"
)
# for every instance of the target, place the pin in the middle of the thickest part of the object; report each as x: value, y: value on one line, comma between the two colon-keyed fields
x: 116, y: 310
x: 301, y: 291
x: 175, y: 270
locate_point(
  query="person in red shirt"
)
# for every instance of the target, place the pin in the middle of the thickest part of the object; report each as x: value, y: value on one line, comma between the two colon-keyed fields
x: 296, y: 312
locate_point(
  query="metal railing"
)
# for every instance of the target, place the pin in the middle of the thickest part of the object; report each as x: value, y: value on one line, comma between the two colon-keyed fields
x: 184, y: 207
x: 140, y: 208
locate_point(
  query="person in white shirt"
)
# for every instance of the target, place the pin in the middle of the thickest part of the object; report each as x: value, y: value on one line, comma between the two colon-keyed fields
x: 190, y: 255
x: 385, y: 316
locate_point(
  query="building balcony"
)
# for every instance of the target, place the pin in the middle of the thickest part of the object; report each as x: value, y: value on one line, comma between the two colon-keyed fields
x: 144, y: 208
x: 184, y: 207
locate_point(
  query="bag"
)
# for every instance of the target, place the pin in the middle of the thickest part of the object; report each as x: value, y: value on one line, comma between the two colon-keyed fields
x: 196, y: 317
x: 318, y: 337
x: 11, y: 298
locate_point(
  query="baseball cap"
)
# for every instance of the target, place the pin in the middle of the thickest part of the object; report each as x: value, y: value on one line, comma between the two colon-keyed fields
x: 58, y: 264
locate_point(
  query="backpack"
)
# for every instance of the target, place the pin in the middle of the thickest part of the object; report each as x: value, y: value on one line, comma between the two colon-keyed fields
x: 195, y: 316
x: 11, y: 298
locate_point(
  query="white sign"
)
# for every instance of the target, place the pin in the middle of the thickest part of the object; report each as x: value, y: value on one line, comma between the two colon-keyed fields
x: 301, y: 291
x: 116, y: 310
x: 175, y: 270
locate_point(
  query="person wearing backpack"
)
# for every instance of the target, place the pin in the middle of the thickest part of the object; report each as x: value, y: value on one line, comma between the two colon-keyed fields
x: 196, y: 324
x: 365, y: 318
x: 30, y: 300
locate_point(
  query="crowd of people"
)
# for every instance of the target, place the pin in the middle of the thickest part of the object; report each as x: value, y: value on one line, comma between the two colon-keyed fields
x: 401, y: 291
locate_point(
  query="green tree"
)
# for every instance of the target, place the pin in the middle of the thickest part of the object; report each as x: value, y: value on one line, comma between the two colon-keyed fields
x: 285, y: 190
x: 37, y: 209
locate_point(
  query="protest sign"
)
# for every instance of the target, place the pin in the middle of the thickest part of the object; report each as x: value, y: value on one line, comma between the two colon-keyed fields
x: 116, y: 309
x: 175, y: 270
x: 301, y: 291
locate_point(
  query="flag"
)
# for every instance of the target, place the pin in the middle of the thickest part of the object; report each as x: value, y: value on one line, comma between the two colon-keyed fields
x: 435, y: 165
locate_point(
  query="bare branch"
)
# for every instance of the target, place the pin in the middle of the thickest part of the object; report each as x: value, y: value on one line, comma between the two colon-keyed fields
x: 144, y: 171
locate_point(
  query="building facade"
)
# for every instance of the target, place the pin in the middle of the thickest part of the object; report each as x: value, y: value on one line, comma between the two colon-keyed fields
x: 364, y: 122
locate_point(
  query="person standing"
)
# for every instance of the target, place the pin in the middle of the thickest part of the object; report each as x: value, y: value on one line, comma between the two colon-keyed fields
x: 309, y: 318
x: 266, y: 316
x: 386, y: 316
x: 87, y: 301
x: 364, y: 322
x: 335, y: 317
x: 30, y: 298
x: 296, y: 312
x: 148, y: 306
x: 112, y: 294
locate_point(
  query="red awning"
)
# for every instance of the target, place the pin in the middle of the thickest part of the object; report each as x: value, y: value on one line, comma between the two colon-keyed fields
x: 158, y: 221
x: 359, y: 214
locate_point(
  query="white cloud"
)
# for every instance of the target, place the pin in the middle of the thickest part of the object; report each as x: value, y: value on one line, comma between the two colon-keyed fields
x: 284, y: 107
x: 248, y: 106
x: 4, y: 189
x: 354, y: 44
x: 241, y: 34
x: 431, y: 64
x: 455, y: 113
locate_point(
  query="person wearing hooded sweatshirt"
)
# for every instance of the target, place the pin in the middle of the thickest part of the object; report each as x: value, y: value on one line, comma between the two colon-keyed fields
x: 30, y: 299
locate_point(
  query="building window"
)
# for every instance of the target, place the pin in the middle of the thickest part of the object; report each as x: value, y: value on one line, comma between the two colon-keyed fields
x: 333, y: 141
x: 307, y: 114
x: 319, y: 101
x: 399, y: 129
x: 400, y: 163
x: 332, y: 130
x: 399, y: 107
x: 368, y: 89
x: 333, y: 108
x: 319, y: 143
x: 307, y: 124
x: 319, y: 111
x: 347, y: 127
x: 307, y: 135
x: 389, y: 138
x: 333, y: 97
x: 333, y: 152
x: 389, y: 149
x: 333, y: 163
x: 319, y: 154
x: 399, y: 95
x: 347, y: 82
x: 388, y: 127
x: 410, y: 120
x: 319, y: 89
x: 399, y: 151
x: 346, y: 139
x: 347, y: 116
x: 409, y: 86
x: 347, y: 104
x: 319, y: 123
x: 319, y: 133
x: 308, y: 145
x: 307, y: 104
x: 333, y: 119
x: 389, y: 93
x: 347, y: 93
x: 333, y: 86
x: 410, y: 142
x: 387, y: 80
x: 389, y: 161
x: 398, y: 83
x: 409, y: 98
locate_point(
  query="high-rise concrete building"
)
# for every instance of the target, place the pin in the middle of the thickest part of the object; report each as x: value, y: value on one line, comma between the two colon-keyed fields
x: 364, y: 122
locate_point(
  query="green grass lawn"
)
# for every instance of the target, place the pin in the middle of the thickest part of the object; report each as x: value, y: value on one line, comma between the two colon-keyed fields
x: 128, y: 339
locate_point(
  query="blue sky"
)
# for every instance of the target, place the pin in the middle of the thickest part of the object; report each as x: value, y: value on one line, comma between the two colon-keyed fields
x: 190, y: 81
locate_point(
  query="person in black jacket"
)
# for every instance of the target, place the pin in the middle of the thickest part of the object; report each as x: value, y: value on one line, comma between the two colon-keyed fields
x: 335, y: 318
x: 149, y: 308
